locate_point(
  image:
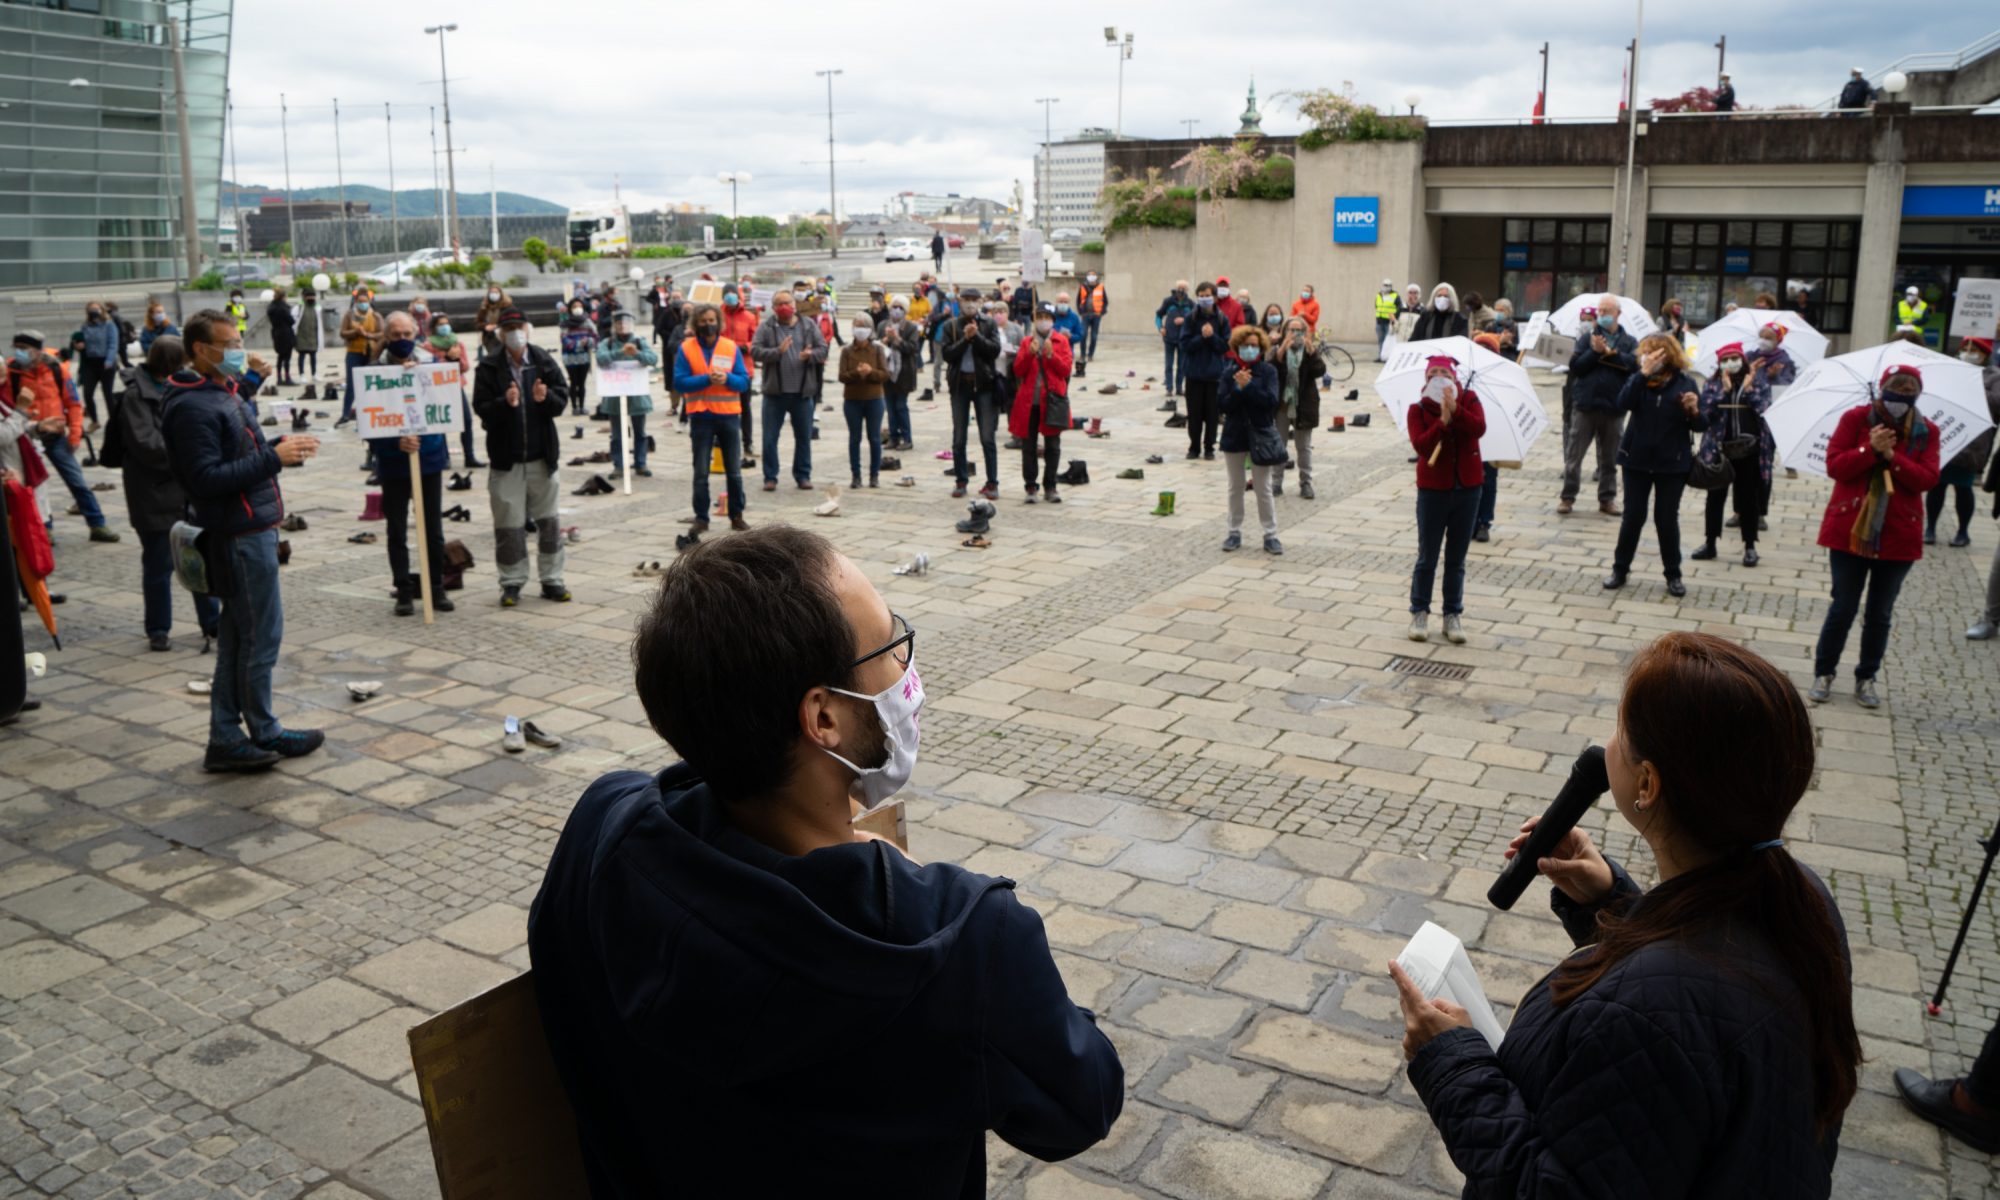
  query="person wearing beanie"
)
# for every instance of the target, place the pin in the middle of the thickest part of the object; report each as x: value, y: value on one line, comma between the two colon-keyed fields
x: 1882, y: 457
x: 1732, y: 412
x: 1770, y: 359
x: 41, y: 389
x: 518, y: 393
x: 1445, y: 426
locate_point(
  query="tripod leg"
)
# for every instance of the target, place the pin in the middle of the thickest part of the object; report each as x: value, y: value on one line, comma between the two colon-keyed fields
x: 1992, y: 845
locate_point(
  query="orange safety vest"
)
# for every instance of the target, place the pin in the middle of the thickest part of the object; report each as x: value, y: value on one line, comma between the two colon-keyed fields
x: 1093, y: 299
x: 716, y: 397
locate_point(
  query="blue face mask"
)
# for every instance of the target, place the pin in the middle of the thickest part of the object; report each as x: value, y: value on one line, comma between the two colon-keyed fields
x: 23, y: 355
x: 234, y: 362
x: 1204, y: 301
x: 402, y: 347
x: 361, y: 307
x: 1606, y: 321
x: 1250, y: 354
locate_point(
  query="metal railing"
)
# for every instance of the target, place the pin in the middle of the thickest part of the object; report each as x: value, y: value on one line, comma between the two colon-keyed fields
x: 1934, y: 60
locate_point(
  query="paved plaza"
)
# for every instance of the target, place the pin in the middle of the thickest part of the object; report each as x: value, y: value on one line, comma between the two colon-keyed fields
x: 1217, y: 776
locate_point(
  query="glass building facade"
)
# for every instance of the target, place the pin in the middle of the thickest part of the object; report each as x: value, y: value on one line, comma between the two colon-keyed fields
x: 90, y: 179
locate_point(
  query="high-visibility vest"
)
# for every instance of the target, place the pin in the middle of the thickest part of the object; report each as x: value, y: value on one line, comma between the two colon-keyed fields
x: 1385, y: 306
x: 1093, y: 299
x: 242, y: 315
x: 717, y: 398
x: 1910, y: 314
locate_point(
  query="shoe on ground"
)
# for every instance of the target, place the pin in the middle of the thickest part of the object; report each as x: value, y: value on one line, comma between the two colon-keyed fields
x: 1193, y: 454
x: 405, y: 607
x: 1936, y: 1101
x: 442, y: 603
x: 1676, y: 588
x: 1208, y: 455
x: 738, y: 524
x: 100, y: 533
x: 243, y: 757
x: 1704, y: 552
x: 1614, y: 581
x: 535, y: 736
x: 1961, y: 539
x: 1865, y: 695
x: 512, y: 740
x: 1565, y: 507
x: 556, y: 592
x: 1609, y: 508
x: 294, y: 743
x: 991, y: 491
x: 1481, y: 533
x: 1734, y: 522
x: 159, y: 641
x: 1453, y: 631
x: 770, y: 485
x: 1050, y: 495
x: 958, y: 493
x: 1821, y: 690
x: 1272, y: 545
x: 1306, y: 492
x: 1750, y: 558
x: 1233, y: 542
x: 1983, y: 631
x: 510, y: 597
x: 1420, y: 627
x: 699, y: 526
x: 1930, y: 537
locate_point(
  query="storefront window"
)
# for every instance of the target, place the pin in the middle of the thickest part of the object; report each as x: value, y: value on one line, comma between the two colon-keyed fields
x: 1545, y: 261
x: 1807, y: 266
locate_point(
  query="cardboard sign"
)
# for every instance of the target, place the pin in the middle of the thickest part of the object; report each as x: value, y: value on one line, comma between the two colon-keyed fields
x: 1975, y: 310
x: 622, y: 379
x: 392, y: 401
x: 1034, y: 267
x: 705, y: 291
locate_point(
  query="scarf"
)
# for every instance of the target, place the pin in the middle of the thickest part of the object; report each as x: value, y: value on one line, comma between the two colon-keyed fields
x: 444, y: 341
x: 1293, y: 358
x: 1865, y: 538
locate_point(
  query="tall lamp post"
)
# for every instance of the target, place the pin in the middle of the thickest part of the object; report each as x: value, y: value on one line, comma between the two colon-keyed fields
x: 832, y: 197
x: 1042, y: 188
x: 1124, y: 51
x: 733, y: 179
x: 450, y: 162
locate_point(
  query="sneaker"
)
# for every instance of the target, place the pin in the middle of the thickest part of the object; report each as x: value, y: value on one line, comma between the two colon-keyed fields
x: 405, y: 607
x: 1051, y: 496
x: 958, y: 493
x: 99, y: 533
x: 1420, y: 627
x: 512, y: 739
x: 1938, y: 1101
x: 556, y: 592
x: 294, y: 743
x: 1982, y: 632
x: 991, y: 491
x: 509, y: 597
x: 1272, y: 545
x: 1821, y: 690
x: 242, y: 757
x: 1453, y: 632
x: 1233, y: 542
x: 1306, y: 492
x: 1864, y: 694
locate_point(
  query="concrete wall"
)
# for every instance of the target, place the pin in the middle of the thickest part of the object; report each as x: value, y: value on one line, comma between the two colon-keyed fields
x: 1140, y: 267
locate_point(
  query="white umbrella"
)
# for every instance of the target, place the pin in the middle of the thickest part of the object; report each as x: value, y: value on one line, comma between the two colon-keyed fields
x: 1805, y: 344
x: 1632, y: 315
x: 1802, y: 421
x: 1514, y: 413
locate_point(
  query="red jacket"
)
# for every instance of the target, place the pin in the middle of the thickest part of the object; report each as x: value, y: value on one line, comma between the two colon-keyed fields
x: 739, y: 325
x: 1849, y: 460
x: 1458, y: 463
x: 55, y: 396
x: 1054, y: 374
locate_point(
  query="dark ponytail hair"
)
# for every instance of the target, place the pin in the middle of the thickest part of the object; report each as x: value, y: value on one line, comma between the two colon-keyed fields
x: 1733, y: 746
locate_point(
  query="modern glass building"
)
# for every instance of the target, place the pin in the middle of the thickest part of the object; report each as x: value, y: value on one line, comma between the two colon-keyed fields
x: 90, y: 178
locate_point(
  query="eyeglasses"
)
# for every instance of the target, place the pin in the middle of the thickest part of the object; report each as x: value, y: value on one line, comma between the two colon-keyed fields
x: 902, y: 644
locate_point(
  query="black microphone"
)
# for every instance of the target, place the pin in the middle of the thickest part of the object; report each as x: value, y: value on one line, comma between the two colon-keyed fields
x: 1587, y: 781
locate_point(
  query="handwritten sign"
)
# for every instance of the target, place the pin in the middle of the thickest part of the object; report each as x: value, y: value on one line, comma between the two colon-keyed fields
x: 622, y: 379
x: 394, y: 401
x: 1975, y: 310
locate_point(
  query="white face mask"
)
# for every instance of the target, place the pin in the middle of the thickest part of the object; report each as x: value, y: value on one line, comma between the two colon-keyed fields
x: 896, y: 707
x: 1222, y: 291
x: 516, y: 339
x: 1042, y: 327
x: 1766, y: 345
x: 493, y: 296
x: 1972, y: 356
x: 862, y: 335
x: 1442, y: 303
x: 1731, y: 365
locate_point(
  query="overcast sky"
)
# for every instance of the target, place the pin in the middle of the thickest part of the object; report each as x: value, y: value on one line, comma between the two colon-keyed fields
x: 941, y: 97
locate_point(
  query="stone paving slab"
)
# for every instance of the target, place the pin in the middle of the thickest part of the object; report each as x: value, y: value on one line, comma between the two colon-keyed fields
x: 1199, y: 768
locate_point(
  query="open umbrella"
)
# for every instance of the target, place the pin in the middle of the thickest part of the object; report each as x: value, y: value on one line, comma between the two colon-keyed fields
x: 34, y: 558
x: 1514, y: 413
x: 1632, y: 315
x: 1805, y: 344
x: 1803, y: 419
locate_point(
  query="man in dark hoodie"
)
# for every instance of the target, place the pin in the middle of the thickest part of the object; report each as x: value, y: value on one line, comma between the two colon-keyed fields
x: 743, y: 996
x: 230, y: 475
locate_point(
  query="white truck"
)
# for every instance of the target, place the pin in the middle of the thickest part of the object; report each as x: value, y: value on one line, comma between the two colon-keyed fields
x: 602, y: 228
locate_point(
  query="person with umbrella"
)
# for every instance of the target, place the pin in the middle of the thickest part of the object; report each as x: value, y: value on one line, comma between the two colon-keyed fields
x: 1883, y: 457
x: 1445, y: 426
x: 1771, y: 361
x: 1963, y: 469
x: 1732, y: 408
x: 1661, y: 404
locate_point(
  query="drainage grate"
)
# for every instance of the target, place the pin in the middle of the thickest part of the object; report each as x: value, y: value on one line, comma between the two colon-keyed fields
x: 1424, y: 668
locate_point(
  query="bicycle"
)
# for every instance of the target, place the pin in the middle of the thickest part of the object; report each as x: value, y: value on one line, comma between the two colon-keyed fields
x: 1339, y: 363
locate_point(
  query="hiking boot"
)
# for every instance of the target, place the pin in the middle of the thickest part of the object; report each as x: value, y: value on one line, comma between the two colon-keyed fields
x: 1821, y: 690
x: 242, y: 757
x: 294, y: 743
x: 1705, y: 552
x: 1420, y: 627
x: 738, y: 524
x: 556, y: 592
x: 1864, y: 694
x: 1609, y: 508
x: 510, y: 597
x: 1943, y: 1103
x: 1453, y: 633
x: 100, y: 533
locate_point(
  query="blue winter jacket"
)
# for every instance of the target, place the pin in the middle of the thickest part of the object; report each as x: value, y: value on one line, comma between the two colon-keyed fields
x: 220, y: 457
x: 1071, y: 324
x: 1254, y: 406
x: 100, y: 341
x: 729, y: 1020
x: 1207, y: 357
x: 1595, y: 380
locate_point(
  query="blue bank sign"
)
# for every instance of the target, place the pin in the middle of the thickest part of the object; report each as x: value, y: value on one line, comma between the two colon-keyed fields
x: 1956, y: 200
x: 1354, y: 219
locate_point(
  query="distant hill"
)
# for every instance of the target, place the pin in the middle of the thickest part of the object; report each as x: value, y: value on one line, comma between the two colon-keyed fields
x: 410, y: 202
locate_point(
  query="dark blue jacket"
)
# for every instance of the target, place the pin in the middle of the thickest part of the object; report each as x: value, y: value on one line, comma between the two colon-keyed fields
x: 1595, y: 381
x: 1656, y: 426
x: 1254, y: 406
x: 433, y: 456
x: 1207, y: 357
x: 732, y: 1021
x: 220, y: 457
x: 1682, y: 1073
x: 1177, y: 304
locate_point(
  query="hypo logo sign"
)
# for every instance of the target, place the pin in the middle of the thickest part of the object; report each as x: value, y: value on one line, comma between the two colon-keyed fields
x: 1355, y: 220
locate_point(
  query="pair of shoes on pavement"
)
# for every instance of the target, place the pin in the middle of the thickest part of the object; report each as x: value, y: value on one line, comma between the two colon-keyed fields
x: 516, y: 735
x: 262, y: 755
x: 596, y: 485
x: 1864, y: 691
x: 1420, y: 631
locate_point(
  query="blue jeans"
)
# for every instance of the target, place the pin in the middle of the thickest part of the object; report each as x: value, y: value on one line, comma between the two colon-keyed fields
x: 55, y: 447
x: 618, y: 440
x: 1090, y: 324
x: 799, y: 408
x: 156, y: 583
x: 705, y: 432
x: 347, y: 393
x: 246, y: 648
x: 1851, y: 574
x: 899, y: 414
x: 860, y: 414
x: 1442, y: 517
x: 1489, y: 495
x: 1176, y: 364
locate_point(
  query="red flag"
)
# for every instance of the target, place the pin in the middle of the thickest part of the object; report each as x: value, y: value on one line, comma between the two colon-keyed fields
x: 1624, y: 86
x: 1539, y: 114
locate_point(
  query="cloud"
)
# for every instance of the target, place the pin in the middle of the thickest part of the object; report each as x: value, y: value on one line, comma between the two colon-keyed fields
x: 658, y: 98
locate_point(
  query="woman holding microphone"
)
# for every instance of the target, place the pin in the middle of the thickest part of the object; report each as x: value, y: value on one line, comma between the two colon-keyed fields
x: 1701, y: 1041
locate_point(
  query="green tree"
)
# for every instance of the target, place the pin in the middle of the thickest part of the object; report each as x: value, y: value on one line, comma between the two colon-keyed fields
x: 759, y: 227
x: 537, y: 252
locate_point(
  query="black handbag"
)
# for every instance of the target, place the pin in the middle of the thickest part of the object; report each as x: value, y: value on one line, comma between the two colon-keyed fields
x: 1711, y: 473
x: 1267, y: 448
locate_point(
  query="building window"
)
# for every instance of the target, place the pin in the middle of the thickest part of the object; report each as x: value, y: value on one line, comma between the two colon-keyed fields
x: 1546, y: 260
x: 1709, y: 265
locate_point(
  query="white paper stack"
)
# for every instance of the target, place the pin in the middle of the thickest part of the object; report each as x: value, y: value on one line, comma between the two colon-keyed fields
x: 1436, y: 962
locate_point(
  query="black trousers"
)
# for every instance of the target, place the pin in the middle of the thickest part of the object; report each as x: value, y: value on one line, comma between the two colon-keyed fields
x: 577, y: 376
x: 1050, y: 456
x: 1204, y: 415
x: 93, y: 376
x: 1752, y: 493
x: 1664, y: 491
x: 1934, y: 505
x: 396, y: 515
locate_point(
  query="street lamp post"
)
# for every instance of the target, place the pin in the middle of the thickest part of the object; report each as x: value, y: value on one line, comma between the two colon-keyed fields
x: 1042, y: 184
x: 1190, y: 122
x: 832, y: 196
x: 389, y: 143
x: 734, y: 178
x: 1124, y: 51
x: 450, y: 163
x: 340, y: 181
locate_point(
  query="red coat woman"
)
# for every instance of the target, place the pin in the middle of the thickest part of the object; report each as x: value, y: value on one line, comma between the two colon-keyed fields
x: 1041, y: 366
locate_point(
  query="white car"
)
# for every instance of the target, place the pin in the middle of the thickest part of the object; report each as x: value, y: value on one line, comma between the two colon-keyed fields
x: 396, y: 274
x: 1066, y: 235
x: 904, y: 250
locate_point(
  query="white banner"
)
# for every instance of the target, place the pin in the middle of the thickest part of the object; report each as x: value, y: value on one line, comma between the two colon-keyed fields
x: 392, y: 401
x: 622, y: 379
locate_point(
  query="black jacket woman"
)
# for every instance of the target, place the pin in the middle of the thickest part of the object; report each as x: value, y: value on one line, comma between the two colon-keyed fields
x: 1248, y: 398
x: 284, y: 332
x: 1662, y: 407
x: 1299, y: 365
x: 1732, y: 412
x: 153, y: 497
x: 1701, y: 1042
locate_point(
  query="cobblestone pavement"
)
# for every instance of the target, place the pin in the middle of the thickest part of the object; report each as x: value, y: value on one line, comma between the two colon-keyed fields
x: 1209, y: 772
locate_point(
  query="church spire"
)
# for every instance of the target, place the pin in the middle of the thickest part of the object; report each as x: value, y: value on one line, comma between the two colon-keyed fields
x: 1252, y: 119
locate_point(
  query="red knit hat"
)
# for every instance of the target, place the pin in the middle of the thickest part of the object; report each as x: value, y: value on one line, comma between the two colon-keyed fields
x: 1901, y: 369
x: 1985, y: 344
x: 1587, y: 313
x: 1776, y: 331
x: 1732, y: 350
x: 1441, y: 362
